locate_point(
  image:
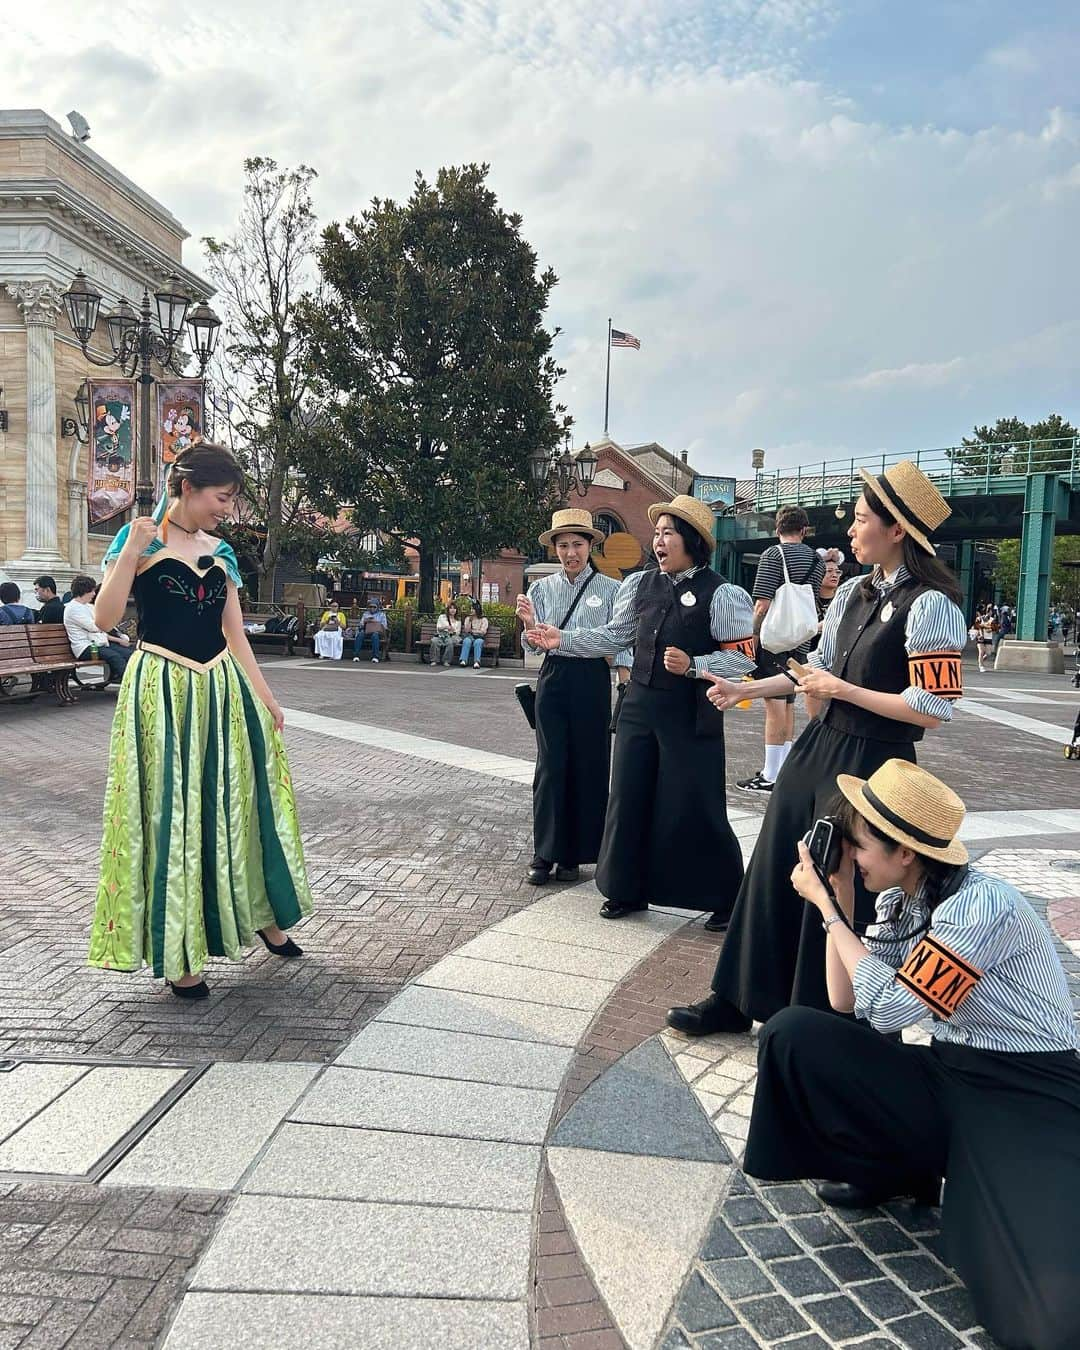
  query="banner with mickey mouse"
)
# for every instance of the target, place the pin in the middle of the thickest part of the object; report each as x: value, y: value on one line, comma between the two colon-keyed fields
x: 181, y: 422
x: 111, y: 485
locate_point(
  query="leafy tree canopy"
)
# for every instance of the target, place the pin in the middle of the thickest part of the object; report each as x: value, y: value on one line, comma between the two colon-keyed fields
x: 430, y: 356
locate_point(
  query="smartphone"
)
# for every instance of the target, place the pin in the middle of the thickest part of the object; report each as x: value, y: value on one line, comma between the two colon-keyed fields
x: 826, y: 845
x: 797, y: 669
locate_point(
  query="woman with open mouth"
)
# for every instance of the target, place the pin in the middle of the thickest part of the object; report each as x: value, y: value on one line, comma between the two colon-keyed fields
x: 667, y: 840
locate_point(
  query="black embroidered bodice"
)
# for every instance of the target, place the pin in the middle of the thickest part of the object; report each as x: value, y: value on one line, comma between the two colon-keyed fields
x: 181, y: 608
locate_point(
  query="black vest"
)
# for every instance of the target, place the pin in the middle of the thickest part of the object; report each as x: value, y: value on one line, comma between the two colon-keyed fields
x: 870, y: 652
x: 664, y: 619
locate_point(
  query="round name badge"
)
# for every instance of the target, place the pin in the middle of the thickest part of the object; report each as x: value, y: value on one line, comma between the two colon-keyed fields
x: 594, y: 601
x: 887, y: 612
x: 688, y: 598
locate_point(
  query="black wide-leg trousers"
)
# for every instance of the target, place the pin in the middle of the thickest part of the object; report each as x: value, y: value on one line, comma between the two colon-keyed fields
x: 835, y: 1100
x: 667, y: 840
x: 774, y: 952
x: 573, y: 759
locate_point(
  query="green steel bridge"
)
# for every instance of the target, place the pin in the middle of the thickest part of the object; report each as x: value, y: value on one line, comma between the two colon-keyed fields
x: 1029, y: 490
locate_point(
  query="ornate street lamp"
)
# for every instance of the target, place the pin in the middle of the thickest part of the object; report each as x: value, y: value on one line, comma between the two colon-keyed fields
x: 82, y: 303
x: 136, y: 344
x: 82, y: 412
x: 172, y: 307
x: 566, y: 472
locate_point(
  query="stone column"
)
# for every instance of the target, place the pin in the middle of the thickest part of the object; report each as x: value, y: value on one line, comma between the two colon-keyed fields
x: 77, y: 525
x: 40, y: 302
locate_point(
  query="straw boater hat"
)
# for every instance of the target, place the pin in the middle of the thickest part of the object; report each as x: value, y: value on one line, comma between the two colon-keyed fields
x: 909, y: 496
x: 572, y: 521
x: 692, y: 511
x: 912, y: 807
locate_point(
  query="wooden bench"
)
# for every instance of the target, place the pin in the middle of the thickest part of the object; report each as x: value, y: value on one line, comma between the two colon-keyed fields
x: 280, y: 631
x: 492, y: 643
x: 41, y: 653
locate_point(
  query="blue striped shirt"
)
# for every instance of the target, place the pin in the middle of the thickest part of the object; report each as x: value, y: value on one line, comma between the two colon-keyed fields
x: 731, y: 618
x: 934, y: 624
x: 1021, y: 1002
x: 553, y: 595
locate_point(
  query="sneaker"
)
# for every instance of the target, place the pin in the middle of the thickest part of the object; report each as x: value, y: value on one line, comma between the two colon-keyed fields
x: 374, y: 660
x: 476, y: 665
x: 759, y: 783
x: 355, y: 660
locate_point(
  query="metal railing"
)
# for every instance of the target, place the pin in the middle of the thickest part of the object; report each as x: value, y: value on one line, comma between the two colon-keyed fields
x: 957, y: 470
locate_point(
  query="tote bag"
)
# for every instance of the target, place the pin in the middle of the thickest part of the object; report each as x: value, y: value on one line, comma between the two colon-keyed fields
x: 792, y: 619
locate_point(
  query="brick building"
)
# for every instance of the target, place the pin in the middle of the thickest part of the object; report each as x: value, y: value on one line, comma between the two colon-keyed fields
x: 62, y: 207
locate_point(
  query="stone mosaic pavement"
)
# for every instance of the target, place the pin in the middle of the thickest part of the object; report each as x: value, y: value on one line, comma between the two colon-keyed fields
x: 457, y: 1122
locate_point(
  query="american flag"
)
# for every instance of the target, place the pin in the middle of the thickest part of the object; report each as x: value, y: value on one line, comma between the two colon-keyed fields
x: 621, y: 339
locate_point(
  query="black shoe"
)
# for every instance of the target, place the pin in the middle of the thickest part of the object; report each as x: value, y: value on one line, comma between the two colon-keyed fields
x: 567, y: 873
x: 846, y: 1195
x: 711, y: 1014
x: 716, y: 923
x: 610, y: 910
x: 759, y: 783
x: 539, y: 872
x: 288, y: 948
x: 196, y: 991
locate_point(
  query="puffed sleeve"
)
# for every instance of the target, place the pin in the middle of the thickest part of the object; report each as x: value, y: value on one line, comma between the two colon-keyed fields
x: 114, y: 549
x: 824, y: 654
x: 978, y: 927
x: 731, y: 622
x: 225, y: 553
x: 934, y: 637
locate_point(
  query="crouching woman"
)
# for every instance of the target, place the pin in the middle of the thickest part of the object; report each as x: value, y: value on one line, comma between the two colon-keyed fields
x: 992, y: 1104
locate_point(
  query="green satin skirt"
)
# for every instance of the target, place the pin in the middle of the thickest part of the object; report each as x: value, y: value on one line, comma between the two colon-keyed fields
x: 201, y: 842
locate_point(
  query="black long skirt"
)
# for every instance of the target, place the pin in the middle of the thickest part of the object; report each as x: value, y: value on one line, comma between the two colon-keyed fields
x: 667, y: 839
x: 774, y: 952
x: 835, y: 1100
x: 573, y: 759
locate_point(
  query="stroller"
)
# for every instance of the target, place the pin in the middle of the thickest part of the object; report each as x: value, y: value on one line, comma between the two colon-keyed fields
x: 1072, y: 750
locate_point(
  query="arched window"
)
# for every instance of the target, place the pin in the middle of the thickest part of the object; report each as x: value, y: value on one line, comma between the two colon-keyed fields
x: 608, y: 523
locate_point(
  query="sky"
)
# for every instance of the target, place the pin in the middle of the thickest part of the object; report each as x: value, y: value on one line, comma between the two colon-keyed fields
x: 837, y: 226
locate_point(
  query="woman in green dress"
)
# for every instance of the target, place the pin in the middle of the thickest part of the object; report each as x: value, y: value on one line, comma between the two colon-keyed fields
x: 201, y: 847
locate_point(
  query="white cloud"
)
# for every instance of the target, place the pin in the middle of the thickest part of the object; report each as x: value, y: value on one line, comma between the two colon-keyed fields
x: 799, y: 275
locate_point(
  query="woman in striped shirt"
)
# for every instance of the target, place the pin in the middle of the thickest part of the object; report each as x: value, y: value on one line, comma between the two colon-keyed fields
x: 889, y: 665
x: 992, y: 1104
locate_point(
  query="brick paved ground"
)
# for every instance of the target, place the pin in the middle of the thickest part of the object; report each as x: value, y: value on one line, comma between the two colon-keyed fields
x: 86, y: 1268
x: 407, y: 859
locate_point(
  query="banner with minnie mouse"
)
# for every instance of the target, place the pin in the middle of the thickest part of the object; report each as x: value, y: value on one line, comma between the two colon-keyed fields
x: 181, y: 422
x: 111, y: 485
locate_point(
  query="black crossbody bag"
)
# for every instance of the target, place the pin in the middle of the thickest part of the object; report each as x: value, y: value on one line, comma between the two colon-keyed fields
x: 526, y: 693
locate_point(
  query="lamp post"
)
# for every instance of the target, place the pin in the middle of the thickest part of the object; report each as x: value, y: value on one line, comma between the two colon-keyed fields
x: 137, y: 342
x: 565, y: 472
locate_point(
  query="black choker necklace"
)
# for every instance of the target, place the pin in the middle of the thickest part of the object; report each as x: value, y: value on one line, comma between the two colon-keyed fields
x: 174, y: 521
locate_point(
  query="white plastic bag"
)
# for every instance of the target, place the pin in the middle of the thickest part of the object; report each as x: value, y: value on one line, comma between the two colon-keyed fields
x: 792, y: 619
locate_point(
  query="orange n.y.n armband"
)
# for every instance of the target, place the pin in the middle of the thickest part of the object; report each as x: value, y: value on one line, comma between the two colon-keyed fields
x: 938, y: 977
x: 938, y: 673
x: 745, y: 645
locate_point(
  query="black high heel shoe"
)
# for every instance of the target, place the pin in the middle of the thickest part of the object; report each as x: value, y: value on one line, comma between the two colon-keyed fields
x: 288, y: 949
x: 195, y: 991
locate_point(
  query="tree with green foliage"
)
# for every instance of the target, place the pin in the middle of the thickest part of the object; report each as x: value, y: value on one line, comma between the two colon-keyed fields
x: 1064, y: 580
x: 1014, y: 446
x: 430, y: 355
x: 261, y: 389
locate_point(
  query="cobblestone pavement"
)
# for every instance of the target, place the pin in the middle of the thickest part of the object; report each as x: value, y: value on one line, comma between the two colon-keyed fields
x: 409, y: 859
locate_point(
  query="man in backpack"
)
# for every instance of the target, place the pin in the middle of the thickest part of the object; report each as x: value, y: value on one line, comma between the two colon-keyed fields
x: 803, y: 566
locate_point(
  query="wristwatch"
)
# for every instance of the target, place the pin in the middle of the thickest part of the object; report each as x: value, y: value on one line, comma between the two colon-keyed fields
x: 828, y: 923
x: 691, y: 670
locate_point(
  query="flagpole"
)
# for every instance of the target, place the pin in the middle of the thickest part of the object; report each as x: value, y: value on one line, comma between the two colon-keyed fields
x: 607, y: 380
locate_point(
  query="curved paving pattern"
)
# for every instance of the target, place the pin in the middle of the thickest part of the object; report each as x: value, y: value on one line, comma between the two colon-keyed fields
x: 512, y: 1153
